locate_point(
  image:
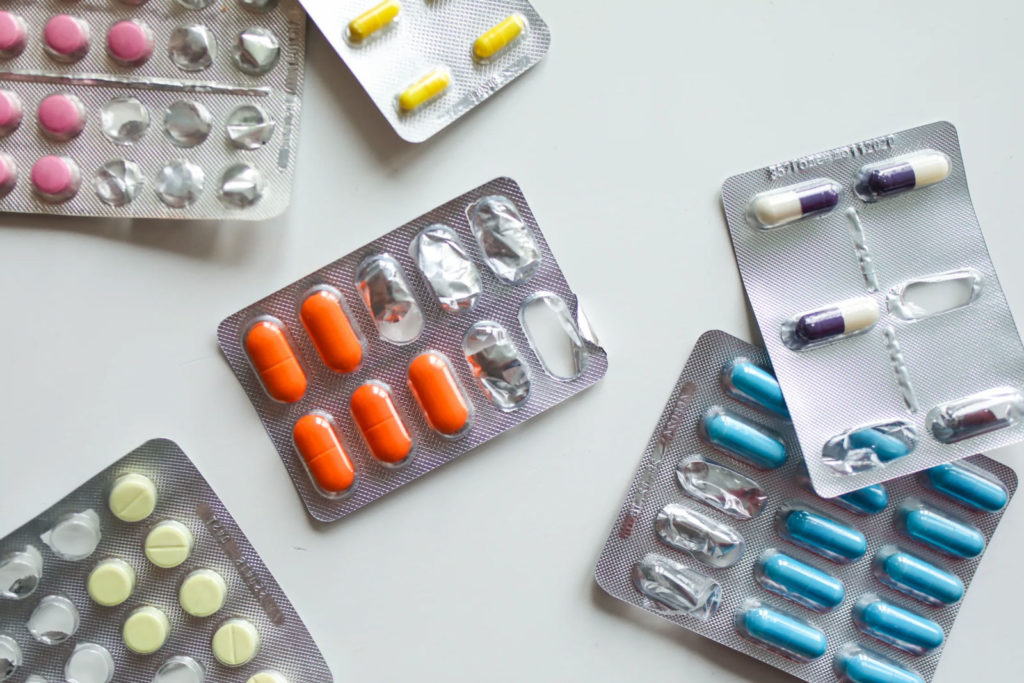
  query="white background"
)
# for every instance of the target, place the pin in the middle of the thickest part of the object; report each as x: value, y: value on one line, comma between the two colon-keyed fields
x: 620, y: 138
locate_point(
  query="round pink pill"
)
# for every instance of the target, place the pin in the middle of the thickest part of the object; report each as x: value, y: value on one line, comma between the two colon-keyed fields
x: 8, y: 174
x: 56, y: 179
x: 61, y: 117
x: 130, y: 42
x: 13, y: 35
x: 10, y: 112
x: 66, y: 38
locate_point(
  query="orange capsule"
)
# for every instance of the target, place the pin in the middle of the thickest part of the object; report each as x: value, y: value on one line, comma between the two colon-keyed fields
x: 438, y: 394
x: 380, y: 424
x: 275, y: 361
x: 325, y: 457
x: 329, y: 328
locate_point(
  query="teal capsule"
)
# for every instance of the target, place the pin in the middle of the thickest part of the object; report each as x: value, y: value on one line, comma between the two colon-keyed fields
x: 781, y: 633
x: 934, y: 529
x: 885, y: 447
x: 917, y: 578
x: 896, y: 626
x: 799, y: 582
x: 869, y: 500
x: 854, y: 664
x: 822, y: 535
x: 968, y: 486
x: 749, y: 383
x: 744, y: 440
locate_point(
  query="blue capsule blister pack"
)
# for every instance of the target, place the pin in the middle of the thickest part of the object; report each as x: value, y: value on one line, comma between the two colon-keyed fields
x: 869, y: 275
x: 722, y: 534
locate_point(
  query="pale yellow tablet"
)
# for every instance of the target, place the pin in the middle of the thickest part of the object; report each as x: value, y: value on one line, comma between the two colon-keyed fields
x: 145, y: 630
x: 133, y: 497
x: 267, y: 677
x: 168, y: 544
x: 236, y: 642
x: 203, y: 592
x: 111, y: 582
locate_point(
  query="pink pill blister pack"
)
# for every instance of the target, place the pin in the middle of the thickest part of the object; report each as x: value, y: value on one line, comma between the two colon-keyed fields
x: 150, y: 108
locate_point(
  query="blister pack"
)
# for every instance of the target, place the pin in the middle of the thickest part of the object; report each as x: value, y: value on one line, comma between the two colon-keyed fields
x: 869, y: 276
x: 141, y: 574
x: 413, y: 349
x: 425, y: 63
x: 150, y: 108
x: 721, y: 533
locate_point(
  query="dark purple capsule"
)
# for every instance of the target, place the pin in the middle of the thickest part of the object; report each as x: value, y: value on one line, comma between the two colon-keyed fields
x: 840, y: 319
x: 820, y: 325
x: 818, y: 198
x: 892, y: 179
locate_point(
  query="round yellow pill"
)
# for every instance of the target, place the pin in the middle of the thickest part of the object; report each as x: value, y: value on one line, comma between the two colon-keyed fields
x: 168, y: 544
x: 145, y: 630
x: 236, y: 642
x: 132, y: 498
x: 111, y: 582
x: 267, y: 677
x: 202, y: 592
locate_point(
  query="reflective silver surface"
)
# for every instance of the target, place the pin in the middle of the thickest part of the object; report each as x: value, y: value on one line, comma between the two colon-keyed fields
x: 496, y: 364
x: 241, y: 186
x: 124, y: 120
x: 187, y: 124
x: 179, y: 183
x: 508, y: 246
x: 258, y: 6
x: 978, y: 414
x: 554, y: 336
x: 249, y: 127
x: 192, y: 47
x: 180, y: 669
x: 720, y: 487
x: 117, y: 182
x: 843, y: 456
x: 674, y: 588
x: 195, y: 4
x: 54, y: 620
x: 20, y: 572
x: 711, y: 542
x: 447, y: 268
x: 256, y: 51
x: 10, y: 657
x: 389, y: 299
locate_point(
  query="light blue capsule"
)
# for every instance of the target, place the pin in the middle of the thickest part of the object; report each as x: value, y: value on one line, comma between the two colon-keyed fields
x: 936, y: 530
x: 896, y: 626
x: 821, y: 535
x: 780, y: 632
x: 799, y: 582
x: 751, y: 384
x: 744, y: 440
x: 968, y: 486
x: 855, y: 664
x: 869, y: 500
x: 885, y: 447
x: 915, y: 577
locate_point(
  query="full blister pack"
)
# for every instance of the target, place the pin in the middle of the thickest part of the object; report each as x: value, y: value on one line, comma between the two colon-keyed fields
x: 140, y: 574
x: 879, y: 304
x: 150, y: 108
x: 425, y: 63
x: 722, y: 534
x: 413, y: 349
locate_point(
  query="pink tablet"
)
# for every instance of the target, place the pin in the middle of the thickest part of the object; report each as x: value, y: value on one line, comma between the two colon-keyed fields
x: 10, y: 112
x: 61, y: 116
x: 66, y: 39
x: 8, y: 174
x: 130, y: 42
x: 13, y: 35
x: 56, y: 179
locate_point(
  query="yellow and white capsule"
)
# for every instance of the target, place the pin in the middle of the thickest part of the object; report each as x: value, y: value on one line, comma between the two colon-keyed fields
x: 431, y: 85
x: 373, y: 20
x: 498, y: 37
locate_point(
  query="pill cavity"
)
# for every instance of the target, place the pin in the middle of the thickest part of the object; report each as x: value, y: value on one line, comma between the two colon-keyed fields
x: 869, y: 447
x: 896, y: 626
x: 179, y: 183
x: 439, y: 394
x: 130, y: 42
x: 819, y: 533
x: 789, y: 204
x: 915, y: 577
x: 8, y: 174
x: 389, y: 299
x: 256, y: 51
x: 329, y: 465
x: 236, y: 642
x: 499, y: 37
x: 20, y: 573
x: 496, y: 365
x: 55, y: 179
x: 755, y: 386
x: 124, y: 120
x: 330, y: 329
x: 855, y: 664
x: 11, y: 112
x: 673, y: 588
x: 267, y: 676
x: 447, y: 268
x: 66, y: 38
x: 168, y: 544
x: 427, y: 88
x: 203, y: 593
x: 241, y: 186
x: 554, y: 336
x: 146, y: 630
x: 61, y: 117
x: 13, y: 35
x: 118, y: 182
x: 935, y: 295
x: 249, y: 127
x: 180, y: 669
x: 132, y: 497
x: 89, y: 663
x: 779, y: 631
x: 372, y: 20
x: 719, y: 487
x: 869, y: 500
x: 75, y: 536
x: 798, y: 581
x: 974, y: 415
x: 111, y: 582
x: 273, y: 358
x: 832, y: 323
x: 258, y: 6
x: 968, y: 485
x: 382, y: 428
x: 54, y: 620
x: 895, y: 176
x: 743, y: 439
x: 506, y: 242
x: 713, y: 543
x: 187, y: 123
x: 192, y: 47
x: 939, y: 530
x: 11, y: 657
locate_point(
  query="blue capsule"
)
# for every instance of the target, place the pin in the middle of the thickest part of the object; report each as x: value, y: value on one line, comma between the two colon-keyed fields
x: 751, y: 384
x: 936, y: 530
x: 886, y: 447
x: 744, y: 440
x: 799, y: 582
x: 869, y: 500
x: 968, y: 486
x: 780, y: 632
x: 917, y: 578
x: 821, y: 535
x: 896, y: 626
x: 855, y: 664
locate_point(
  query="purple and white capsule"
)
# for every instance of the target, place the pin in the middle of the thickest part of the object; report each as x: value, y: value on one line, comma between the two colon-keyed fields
x: 781, y: 207
x: 840, y: 320
x: 887, y: 178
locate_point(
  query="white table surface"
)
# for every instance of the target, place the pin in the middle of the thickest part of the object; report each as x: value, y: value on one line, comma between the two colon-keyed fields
x: 620, y: 139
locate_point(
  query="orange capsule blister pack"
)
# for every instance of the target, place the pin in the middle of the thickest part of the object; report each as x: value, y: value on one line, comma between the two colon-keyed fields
x: 413, y: 349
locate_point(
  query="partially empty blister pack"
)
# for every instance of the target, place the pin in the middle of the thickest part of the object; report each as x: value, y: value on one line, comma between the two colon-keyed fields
x: 879, y: 304
x: 141, y: 574
x: 722, y: 534
x: 413, y: 349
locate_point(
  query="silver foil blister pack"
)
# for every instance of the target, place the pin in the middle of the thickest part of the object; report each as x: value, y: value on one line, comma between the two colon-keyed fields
x: 155, y: 109
x: 394, y: 47
x: 722, y: 534
x: 879, y: 304
x: 413, y: 349
x: 141, y: 574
